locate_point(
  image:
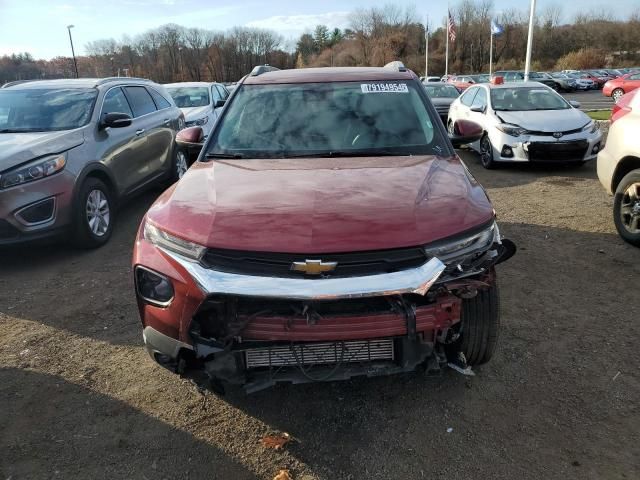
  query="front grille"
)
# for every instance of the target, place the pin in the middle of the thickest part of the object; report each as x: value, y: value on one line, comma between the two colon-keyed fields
x: 558, y: 151
x: 352, y: 264
x: 320, y: 353
x: 7, y: 231
x: 550, y: 134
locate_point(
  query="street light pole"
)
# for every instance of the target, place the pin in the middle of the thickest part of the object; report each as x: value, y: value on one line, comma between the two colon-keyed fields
x: 527, y: 64
x: 75, y: 64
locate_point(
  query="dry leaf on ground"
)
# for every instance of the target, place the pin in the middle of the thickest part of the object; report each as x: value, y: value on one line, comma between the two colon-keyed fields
x: 276, y: 441
x: 283, y: 475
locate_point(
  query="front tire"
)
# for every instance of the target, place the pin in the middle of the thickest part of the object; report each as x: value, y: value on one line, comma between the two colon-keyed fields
x: 617, y: 94
x: 486, y: 153
x: 93, y: 214
x: 626, y: 208
x: 480, y: 326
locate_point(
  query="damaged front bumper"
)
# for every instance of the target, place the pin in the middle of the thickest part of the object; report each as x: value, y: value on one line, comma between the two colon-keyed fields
x: 257, y: 331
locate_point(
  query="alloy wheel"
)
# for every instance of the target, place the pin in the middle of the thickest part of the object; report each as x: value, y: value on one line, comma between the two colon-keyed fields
x: 617, y: 95
x: 98, y: 212
x: 486, y: 151
x: 181, y: 165
x: 630, y: 209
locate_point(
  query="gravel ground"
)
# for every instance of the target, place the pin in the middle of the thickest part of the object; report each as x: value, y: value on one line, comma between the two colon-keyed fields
x: 80, y: 399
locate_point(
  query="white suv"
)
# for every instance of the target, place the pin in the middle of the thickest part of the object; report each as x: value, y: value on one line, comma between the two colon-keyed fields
x: 619, y: 166
x: 200, y: 102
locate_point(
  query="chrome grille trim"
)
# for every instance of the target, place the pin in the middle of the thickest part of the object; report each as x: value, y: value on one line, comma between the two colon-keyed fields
x: 320, y: 353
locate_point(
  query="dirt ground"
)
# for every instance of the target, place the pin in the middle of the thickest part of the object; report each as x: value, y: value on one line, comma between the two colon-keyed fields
x: 79, y: 398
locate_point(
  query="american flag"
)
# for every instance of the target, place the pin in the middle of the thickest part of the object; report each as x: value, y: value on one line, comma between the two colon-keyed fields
x: 451, y: 28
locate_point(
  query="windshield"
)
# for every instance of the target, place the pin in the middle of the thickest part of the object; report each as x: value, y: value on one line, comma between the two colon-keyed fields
x: 186, y: 97
x: 527, y: 98
x: 442, y: 91
x: 44, y: 110
x: 480, y: 78
x: 327, y: 119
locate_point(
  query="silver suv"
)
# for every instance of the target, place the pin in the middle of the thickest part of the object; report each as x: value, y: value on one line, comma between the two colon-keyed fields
x: 72, y: 150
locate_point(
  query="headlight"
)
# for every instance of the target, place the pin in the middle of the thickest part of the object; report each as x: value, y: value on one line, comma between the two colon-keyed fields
x: 591, y: 127
x: 41, y: 168
x: 198, y: 123
x: 160, y: 238
x: 456, y: 251
x: 513, y: 130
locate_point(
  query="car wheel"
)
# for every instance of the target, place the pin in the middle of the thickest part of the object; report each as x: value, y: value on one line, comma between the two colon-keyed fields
x: 555, y: 87
x: 180, y: 166
x: 450, y: 129
x: 486, y: 153
x: 626, y: 208
x: 617, y: 94
x: 94, y: 214
x: 480, y: 325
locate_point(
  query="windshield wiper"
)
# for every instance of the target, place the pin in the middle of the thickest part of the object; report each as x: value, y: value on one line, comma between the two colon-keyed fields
x: 350, y: 153
x: 223, y: 155
x: 21, y: 130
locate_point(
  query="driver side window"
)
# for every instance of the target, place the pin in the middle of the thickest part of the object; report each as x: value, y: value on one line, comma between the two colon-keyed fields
x: 116, y: 102
x: 467, y: 97
x: 480, y: 100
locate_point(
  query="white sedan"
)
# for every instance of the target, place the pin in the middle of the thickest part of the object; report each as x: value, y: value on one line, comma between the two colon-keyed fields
x: 200, y: 102
x: 526, y: 122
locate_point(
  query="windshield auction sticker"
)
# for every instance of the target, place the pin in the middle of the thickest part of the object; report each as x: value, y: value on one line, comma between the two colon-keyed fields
x: 384, y: 88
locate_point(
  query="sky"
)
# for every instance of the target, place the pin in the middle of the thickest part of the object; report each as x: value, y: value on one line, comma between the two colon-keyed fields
x: 39, y: 26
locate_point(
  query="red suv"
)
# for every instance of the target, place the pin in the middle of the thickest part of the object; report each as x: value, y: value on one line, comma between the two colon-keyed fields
x: 328, y: 230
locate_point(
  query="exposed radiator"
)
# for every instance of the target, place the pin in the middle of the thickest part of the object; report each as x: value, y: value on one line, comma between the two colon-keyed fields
x: 320, y: 353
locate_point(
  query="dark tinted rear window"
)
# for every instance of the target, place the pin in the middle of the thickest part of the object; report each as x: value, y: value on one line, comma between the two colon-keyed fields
x: 140, y: 100
x: 161, y: 102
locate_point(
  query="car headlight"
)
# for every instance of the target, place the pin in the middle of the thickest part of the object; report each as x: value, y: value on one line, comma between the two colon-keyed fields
x: 198, y: 123
x: 41, y: 168
x: 454, y: 252
x: 513, y: 130
x: 160, y: 238
x: 591, y: 127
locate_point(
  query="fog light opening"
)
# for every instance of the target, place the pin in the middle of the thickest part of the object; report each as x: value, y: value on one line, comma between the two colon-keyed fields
x: 596, y: 148
x: 153, y: 288
x: 37, y: 213
x: 507, y: 152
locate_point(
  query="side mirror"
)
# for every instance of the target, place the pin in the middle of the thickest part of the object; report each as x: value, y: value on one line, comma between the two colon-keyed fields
x: 574, y: 104
x: 190, y: 140
x: 464, y: 132
x: 115, y: 120
x: 219, y: 103
x: 190, y: 136
x: 477, y: 109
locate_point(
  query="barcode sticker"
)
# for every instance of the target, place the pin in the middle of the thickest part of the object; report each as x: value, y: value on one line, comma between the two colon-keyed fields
x: 384, y: 88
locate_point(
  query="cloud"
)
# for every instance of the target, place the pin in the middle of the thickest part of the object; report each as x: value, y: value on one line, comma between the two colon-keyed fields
x: 297, y: 24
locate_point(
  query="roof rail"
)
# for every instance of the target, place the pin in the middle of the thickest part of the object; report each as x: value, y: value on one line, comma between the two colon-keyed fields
x: 260, y: 69
x: 396, y: 65
x: 121, y: 79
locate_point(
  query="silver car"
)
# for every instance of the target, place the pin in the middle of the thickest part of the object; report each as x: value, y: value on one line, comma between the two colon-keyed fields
x: 526, y: 122
x: 72, y: 150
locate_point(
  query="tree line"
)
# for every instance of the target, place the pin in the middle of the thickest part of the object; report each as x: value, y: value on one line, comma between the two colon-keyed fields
x: 374, y: 36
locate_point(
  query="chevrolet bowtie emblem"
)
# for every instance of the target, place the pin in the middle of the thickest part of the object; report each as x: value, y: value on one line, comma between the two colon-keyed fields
x: 313, y: 267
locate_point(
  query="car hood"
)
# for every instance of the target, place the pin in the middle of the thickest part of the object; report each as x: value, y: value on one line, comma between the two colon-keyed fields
x: 18, y: 148
x: 194, y: 113
x: 322, y: 205
x: 546, y: 120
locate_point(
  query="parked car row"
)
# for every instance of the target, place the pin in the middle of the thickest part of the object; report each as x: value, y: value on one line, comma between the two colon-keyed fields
x: 565, y: 81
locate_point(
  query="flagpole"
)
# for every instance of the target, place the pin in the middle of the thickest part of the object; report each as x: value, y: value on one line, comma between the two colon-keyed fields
x: 426, y: 49
x: 490, y: 54
x: 527, y: 64
x: 446, y: 55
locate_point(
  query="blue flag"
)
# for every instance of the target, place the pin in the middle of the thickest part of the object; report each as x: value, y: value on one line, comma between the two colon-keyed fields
x: 496, y: 28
